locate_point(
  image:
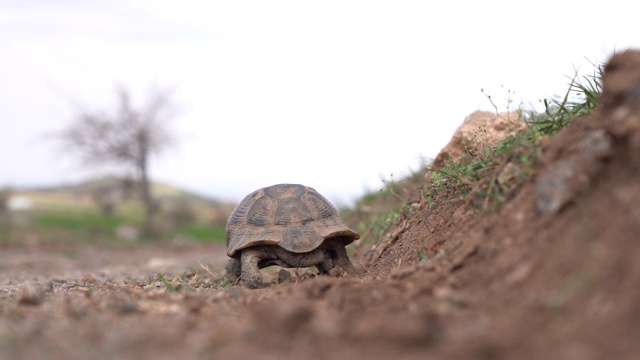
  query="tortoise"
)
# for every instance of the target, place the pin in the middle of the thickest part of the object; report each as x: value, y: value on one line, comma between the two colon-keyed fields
x: 289, y: 225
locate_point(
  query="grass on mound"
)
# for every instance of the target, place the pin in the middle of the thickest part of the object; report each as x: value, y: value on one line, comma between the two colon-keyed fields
x: 484, y: 179
x: 487, y: 178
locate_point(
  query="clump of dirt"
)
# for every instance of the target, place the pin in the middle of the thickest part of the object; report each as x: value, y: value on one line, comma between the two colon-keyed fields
x: 479, y: 129
x: 521, y: 281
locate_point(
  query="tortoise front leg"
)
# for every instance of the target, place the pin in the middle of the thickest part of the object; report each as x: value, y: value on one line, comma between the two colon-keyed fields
x: 250, y: 259
x: 340, y: 258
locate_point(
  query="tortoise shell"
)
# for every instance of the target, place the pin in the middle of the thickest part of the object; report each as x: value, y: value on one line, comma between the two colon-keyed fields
x: 294, y: 217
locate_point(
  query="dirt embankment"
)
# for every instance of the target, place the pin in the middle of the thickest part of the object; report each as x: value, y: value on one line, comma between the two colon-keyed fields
x: 553, y: 274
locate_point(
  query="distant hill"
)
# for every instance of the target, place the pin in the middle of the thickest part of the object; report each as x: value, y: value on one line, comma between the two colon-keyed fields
x: 126, y: 188
x: 121, y: 192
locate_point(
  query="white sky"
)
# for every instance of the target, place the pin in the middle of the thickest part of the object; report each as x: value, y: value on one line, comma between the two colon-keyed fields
x: 336, y: 95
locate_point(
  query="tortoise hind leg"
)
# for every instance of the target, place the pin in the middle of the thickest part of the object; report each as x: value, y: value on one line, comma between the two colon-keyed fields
x: 233, y: 269
x: 325, y: 267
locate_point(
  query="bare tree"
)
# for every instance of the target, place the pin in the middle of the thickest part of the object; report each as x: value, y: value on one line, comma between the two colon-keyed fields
x: 127, y: 139
x: 4, y: 200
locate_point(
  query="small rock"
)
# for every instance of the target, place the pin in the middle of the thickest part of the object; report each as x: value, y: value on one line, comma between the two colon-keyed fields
x: 552, y: 189
x: 283, y: 276
x: 68, y: 286
x: 128, y: 308
x: 31, y: 294
x: 89, y: 279
x: 596, y: 145
x: 559, y: 185
x: 519, y: 274
x: 508, y: 173
x: 48, y: 287
x: 235, y: 292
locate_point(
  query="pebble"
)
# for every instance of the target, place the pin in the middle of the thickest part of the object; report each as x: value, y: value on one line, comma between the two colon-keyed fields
x: 31, y: 294
x: 557, y: 186
x: 283, y: 276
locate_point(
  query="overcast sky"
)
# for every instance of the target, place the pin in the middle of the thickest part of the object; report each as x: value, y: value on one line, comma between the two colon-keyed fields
x: 336, y: 95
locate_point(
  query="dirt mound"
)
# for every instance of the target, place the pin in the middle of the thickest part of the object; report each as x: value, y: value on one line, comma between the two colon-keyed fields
x: 517, y: 283
x: 527, y: 280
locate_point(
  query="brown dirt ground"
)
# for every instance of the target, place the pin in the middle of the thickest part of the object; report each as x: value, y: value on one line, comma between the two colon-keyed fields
x: 513, y: 283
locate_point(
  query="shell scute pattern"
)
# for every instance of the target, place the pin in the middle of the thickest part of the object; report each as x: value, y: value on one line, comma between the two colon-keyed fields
x: 294, y: 217
x: 321, y: 205
x: 261, y: 213
x: 292, y: 211
x: 239, y: 214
